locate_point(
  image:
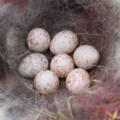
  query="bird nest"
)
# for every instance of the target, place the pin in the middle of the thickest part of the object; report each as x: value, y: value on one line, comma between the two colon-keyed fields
x: 96, y: 23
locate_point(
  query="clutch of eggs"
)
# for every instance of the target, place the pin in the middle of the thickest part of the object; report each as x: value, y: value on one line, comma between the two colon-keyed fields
x: 62, y: 65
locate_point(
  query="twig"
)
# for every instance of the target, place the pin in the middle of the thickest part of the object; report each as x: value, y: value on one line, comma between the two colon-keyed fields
x: 97, y: 81
x: 113, y: 116
x: 30, y: 86
x: 62, y: 116
x: 69, y: 108
x: 38, y: 115
x: 46, y: 112
x: 50, y: 114
x: 116, y: 99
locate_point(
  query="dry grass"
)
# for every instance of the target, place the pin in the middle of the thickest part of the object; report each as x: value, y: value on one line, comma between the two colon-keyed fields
x: 58, y: 115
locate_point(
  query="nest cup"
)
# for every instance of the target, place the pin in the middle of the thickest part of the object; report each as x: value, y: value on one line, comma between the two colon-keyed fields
x: 89, y: 20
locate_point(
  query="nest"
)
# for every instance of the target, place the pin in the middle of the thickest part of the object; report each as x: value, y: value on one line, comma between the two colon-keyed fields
x: 96, y: 23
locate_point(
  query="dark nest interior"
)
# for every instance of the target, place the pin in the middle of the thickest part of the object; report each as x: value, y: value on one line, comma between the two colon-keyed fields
x: 96, y: 23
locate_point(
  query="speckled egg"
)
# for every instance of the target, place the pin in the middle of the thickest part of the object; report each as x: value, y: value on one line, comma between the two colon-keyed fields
x: 64, y: 42
x: 38, y: 40
x: 62, y: 64
x: 77, y: 81
x: 86, y: 57
x: 46, y: 82
x: 33, y: 64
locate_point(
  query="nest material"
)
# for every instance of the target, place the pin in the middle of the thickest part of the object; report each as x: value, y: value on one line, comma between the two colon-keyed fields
x: 95, y: 23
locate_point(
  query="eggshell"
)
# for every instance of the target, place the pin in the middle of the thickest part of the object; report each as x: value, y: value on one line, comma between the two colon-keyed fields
x: 38, y: 40
x: 77, y: 81
x: 46, y: 82
x: 62, y: 64
x: 33, y: 64
x: 86, y: 57
x: 64, y: 42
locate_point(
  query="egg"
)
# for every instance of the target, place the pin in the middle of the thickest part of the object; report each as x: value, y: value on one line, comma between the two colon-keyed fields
x: 33, y: 64
x: 46, y: 82
x: 38, y: 40
x: 62, y: 64
x: 64, y: 42
x: 77, y: 81
x: 86, y: 57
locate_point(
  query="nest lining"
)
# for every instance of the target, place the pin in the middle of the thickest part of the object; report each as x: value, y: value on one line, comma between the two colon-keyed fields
x: 92, y: 25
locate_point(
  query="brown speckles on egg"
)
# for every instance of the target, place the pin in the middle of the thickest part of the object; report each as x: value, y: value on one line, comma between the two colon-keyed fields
x: 62, y: 64
x: 64, y: 42
x: 38, y: 40
x: 46, y: 82
x: 78, y: 81
x: 32, y: 64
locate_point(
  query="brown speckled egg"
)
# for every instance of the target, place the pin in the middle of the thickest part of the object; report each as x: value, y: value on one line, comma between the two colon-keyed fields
x: 38, y: 40
x: 86, y: 57
x: 46, y: 82
x: 64, y: 42
x: 33, y: 64
x: 77, y: 81
x: 62, y: 64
